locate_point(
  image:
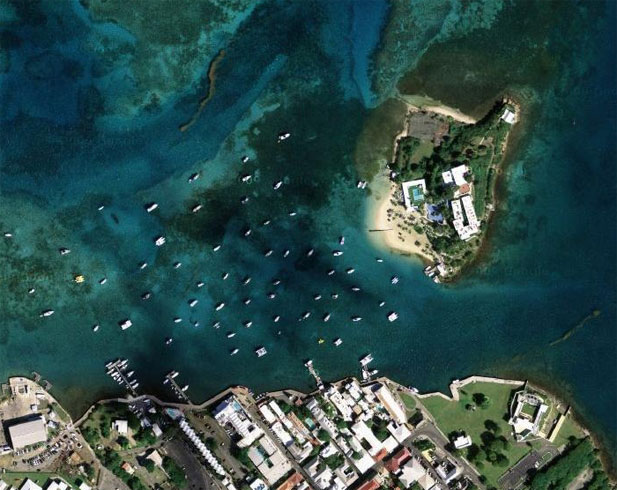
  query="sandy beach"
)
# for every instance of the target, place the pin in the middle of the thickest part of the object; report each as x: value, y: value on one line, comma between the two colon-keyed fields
x: 390, y: 226
x: 419, y: 102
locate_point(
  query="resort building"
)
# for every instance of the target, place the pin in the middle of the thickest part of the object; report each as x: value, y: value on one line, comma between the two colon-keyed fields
x: 466, y: 225
x: 231, y: 416
x: 413, y: 193
x: 269, y: 460
x: 456, y: 175
x: 28, y: 433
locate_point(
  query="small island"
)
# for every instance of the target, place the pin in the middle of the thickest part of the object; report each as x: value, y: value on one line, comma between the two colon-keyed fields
x: 441, y: 189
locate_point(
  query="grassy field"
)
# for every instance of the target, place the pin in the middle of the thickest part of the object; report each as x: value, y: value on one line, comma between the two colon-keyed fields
x: 569, y: 429
x: 452, y: 416
x: 410, y: 403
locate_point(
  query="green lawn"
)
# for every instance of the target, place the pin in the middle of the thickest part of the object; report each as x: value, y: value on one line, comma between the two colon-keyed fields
x: 568, y: 429
x: 408, y: 400
x: 453, y: 416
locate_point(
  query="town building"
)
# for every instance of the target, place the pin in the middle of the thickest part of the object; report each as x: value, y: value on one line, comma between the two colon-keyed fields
x: 121, y: 427
x: 28, y: 433
x: 413, y: 193
x: 527, y: 412
x: 388, y: 401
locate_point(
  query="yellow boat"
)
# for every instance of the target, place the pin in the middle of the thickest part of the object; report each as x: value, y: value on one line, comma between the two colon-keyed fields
x: 79, y: 278
x: 321, y: 341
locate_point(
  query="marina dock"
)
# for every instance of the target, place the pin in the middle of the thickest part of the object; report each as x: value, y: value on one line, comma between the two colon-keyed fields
x: 117, y: 370
x: 170, y: 379
x: 314, y: 373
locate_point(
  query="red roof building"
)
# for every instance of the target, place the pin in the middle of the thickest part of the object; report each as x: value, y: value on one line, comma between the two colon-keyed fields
x: 369, y: 485
x: 395, y: 462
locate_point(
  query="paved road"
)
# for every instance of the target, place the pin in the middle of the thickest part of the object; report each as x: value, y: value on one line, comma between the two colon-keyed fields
x: 427, y: 429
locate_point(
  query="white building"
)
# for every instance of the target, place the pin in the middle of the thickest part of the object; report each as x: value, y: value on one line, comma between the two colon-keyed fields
x: 230, y: 412
x: 28, y: 433
x: 417, y: 188
x: 413, y: 471
x: 462, y: 442
x: 508, y: 116
x: 30, y: 485
x: 120, y: 426
x: 527, y: 415
x: 466, y: 225
x: 396, y: 411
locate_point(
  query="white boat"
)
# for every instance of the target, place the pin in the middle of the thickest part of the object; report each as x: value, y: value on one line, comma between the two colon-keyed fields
x: 268, y: 252
x: 200, y: 284
x: 146, y: 295
x: 277, y: 185
x: 31, y: 291
x: 394, y: 280
x: 361, y: 184
x: 351, y: 270
x: 220, y: 306
x: 231, y: 335
x: 285, y: 253
x: 246, y: 280
x: 337, y: 341
x: 317, y: 297
x: 196, y: 208
x: 392, y: 316
x: 233, y: 352
x: 276, y: 282
x: 193, y: 302
x: 334, y: 296
x: 310, y: 252
x: 356, y: 318
x: 196, y: 324
x: 143, y: 265
x: 216, y: 248
x: 305, y: 315
x: 130, y: 373
x: 46, y: 313
x: 331, y: 272
x: 366, y: 360
x: 248, y: 323
x: 101, y: 207
x: 246, y: 178
x: 271, y: 295
x: 355, y: 289
x: 382, y: 303
x: 225, y: 276
x: 177, y: 265
x: 283, y: 136
x: 248, y: 232
x: 64, y: 251
x: 103, y: 280
x: 337, y: 253
x: 247, y: 301
x: 292, y: 213
x: 341, y: 240
x: 95, y: 328
x: 244, y: 159
x: 326, y: 317
x: 216, y: 325
x: 194, y: 177
x: 174, y: 374
x: 266, y: 222
x: 8, y: 234
x: 177, y: 319
x: 185, y: 387
x: 160, y: 240
x: 379, y: 260
x: 151, y: 207
x: 124, y: 324
x: 261, y: 352
x: 276, y: 318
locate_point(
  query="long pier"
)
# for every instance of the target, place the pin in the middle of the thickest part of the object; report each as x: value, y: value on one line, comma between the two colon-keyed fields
x: 314, y: 373
x: 175, y: 387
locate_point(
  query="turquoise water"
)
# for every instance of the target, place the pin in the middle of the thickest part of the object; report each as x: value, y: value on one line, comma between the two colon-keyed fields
x: 92, y: 101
